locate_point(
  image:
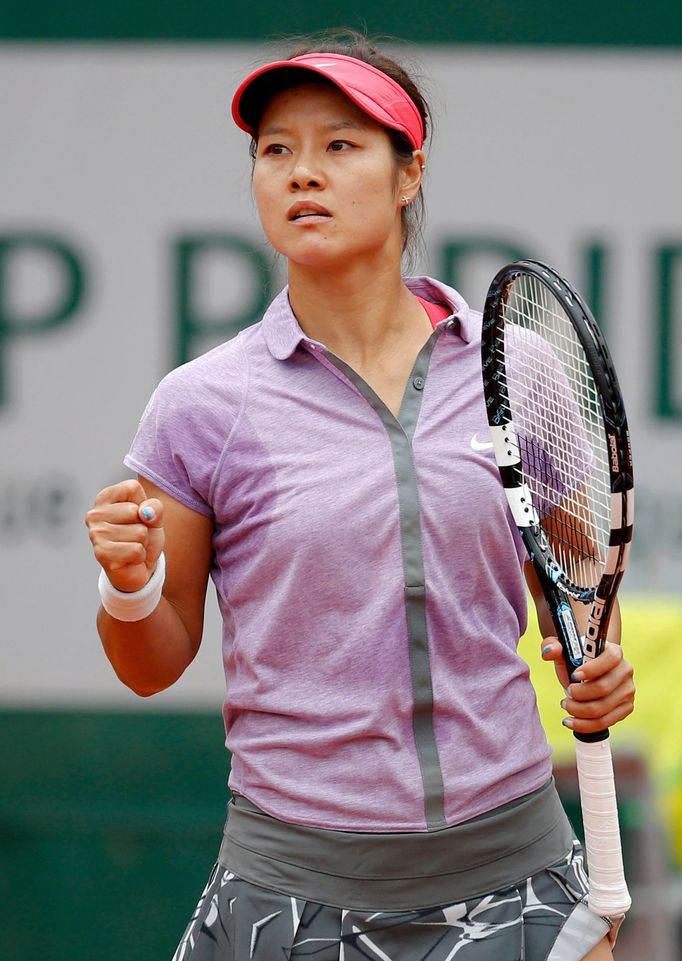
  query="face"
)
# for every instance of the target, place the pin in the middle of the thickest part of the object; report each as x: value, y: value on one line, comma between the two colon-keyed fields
x: 326, y: 181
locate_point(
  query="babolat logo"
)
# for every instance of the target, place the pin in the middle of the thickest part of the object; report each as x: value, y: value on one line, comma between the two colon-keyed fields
x: 613, y: 450
x: 593, y: 625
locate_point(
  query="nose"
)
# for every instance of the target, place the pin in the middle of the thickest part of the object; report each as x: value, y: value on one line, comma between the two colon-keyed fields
x: 304, y: 178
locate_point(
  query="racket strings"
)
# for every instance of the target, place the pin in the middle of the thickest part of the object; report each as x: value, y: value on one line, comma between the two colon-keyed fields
x: 557, y: 418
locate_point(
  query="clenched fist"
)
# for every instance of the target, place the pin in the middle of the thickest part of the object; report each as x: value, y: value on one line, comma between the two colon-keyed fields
x: 126, y: 533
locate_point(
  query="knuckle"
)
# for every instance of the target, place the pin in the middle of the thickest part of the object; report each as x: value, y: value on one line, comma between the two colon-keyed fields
x: 101, y: 555
x: 92, y: 517
x: 102, y: 496
x: 591, y: 711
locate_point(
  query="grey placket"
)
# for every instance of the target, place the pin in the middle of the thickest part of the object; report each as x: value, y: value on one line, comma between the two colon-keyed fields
x: 400, y: 432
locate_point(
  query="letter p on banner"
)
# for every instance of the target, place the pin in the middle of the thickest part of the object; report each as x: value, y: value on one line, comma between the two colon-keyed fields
x: 43, y: 253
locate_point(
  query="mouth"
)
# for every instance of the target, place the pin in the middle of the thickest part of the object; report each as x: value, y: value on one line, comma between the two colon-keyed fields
x: 308, y: 213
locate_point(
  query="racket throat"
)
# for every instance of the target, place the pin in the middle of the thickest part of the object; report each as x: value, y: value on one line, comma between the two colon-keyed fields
x: 573, y: 647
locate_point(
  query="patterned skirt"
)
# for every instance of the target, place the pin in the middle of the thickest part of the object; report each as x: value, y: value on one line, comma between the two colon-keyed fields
x: 545, y: 918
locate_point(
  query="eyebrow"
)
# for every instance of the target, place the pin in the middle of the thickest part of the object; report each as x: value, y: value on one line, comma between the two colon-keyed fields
x: 275, y: 129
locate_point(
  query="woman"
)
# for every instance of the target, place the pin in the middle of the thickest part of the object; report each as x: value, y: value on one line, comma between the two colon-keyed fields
x: 392, y: 792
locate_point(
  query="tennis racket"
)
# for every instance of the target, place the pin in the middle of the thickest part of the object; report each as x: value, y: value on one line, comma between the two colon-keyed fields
x: 561, y: 442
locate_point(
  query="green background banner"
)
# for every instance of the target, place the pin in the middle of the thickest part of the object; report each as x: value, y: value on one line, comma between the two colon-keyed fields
x: 583, y: 22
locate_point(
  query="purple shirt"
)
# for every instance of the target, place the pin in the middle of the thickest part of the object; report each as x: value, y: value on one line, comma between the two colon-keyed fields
x: 368, y: 574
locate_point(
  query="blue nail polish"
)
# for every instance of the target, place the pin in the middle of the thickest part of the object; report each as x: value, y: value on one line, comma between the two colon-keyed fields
x: 147, y: 513
x: 546, y: 650
x: 567, y: 722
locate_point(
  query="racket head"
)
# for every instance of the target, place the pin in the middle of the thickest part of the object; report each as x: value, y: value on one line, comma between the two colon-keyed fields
x: 559, y: 429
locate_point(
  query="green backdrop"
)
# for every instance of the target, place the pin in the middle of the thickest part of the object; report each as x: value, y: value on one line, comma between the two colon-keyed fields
x: 585, y: 22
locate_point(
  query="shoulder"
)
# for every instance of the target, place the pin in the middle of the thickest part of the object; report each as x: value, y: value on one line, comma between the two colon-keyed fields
x: 218, y: 377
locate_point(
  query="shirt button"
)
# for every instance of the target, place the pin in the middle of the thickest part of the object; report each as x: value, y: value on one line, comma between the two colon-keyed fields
x: 418, y: 383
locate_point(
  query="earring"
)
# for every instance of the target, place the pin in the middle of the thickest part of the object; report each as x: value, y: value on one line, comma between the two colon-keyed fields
x: 405, y: 201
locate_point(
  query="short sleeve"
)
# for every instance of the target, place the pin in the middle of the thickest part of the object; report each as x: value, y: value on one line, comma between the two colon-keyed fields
x: 185, y: 428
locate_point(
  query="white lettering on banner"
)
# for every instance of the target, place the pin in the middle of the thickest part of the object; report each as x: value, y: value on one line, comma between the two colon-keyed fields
x: 143, y: 218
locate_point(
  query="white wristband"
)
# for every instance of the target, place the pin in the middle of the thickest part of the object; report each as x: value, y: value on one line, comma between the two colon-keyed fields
x: 133, y: 605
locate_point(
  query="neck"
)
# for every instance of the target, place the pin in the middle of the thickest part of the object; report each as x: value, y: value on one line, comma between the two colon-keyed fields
x: 355, y: 314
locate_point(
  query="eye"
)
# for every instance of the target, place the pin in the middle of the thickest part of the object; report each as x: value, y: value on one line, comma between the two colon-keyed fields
x: 336, y: 146
x: 276, y: 149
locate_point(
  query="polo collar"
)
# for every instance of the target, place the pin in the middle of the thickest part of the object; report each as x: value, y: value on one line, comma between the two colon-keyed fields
x: 283, y: 334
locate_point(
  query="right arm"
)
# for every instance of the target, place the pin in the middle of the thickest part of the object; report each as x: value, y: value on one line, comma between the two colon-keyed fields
x: 149, y: 655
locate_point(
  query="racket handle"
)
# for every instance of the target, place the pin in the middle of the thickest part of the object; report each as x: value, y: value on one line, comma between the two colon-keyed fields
x: 608, y: 891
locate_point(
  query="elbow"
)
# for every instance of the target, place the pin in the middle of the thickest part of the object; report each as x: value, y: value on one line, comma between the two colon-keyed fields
x: 144, y: 686
x: 139, y: 687
x: 142, y: 691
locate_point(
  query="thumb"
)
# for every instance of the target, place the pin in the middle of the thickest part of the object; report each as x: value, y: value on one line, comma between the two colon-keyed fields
x: 150, y: 512
x: 553, y: 651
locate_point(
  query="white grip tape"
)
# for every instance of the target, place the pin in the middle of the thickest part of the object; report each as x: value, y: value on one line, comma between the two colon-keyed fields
x: 521, y: 504
x: 608, y: 891
x: 505, y: 445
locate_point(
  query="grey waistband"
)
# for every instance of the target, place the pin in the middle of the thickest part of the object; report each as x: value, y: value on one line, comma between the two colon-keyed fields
x: 402, y: 871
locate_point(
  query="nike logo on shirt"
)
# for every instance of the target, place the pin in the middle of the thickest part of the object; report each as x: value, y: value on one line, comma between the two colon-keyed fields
x: 477, y: 444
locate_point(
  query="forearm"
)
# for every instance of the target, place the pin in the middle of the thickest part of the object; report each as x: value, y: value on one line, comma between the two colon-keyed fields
x: 148, y: 655
x: 580, y: 610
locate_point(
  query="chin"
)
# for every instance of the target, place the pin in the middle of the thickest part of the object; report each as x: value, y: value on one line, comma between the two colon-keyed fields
x: 327, y: 256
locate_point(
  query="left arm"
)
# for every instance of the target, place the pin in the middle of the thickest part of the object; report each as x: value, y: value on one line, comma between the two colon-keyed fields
x: 602, y: 690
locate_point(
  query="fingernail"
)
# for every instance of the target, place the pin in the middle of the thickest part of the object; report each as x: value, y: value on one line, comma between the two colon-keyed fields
x: 577, y: 676
x: 567, y: 722
x: 562, y: 704
x: 147, y: 513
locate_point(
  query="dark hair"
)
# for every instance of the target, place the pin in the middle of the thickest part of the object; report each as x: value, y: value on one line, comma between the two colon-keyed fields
x: 352, y: 43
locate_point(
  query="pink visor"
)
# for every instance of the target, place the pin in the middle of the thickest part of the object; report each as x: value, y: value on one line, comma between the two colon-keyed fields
x: 373, y: 91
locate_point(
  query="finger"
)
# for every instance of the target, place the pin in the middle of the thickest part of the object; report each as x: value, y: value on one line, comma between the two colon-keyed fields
x: 624, y: 693
x: 120, y: 533
x: 551, y: 648
x: 553, y: 651
x: 119, y: 512
x: 150, y: 512
x: 594, y: 667
x: 127, y: 490
x: 601, y: 723
x: 114, y: 556
x: 603, y: 686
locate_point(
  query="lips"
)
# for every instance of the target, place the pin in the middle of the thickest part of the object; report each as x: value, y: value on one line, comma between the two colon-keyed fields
x: 303, y: 211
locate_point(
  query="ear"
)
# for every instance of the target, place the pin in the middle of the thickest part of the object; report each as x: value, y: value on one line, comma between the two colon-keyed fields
x: 411, y: 175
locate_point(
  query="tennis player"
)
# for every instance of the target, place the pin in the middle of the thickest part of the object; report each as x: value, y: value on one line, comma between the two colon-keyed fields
x: 330, y: 469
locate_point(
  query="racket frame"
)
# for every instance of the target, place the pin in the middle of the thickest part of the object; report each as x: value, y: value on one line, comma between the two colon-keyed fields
x: 554, y: 580
x: 608, y: 890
